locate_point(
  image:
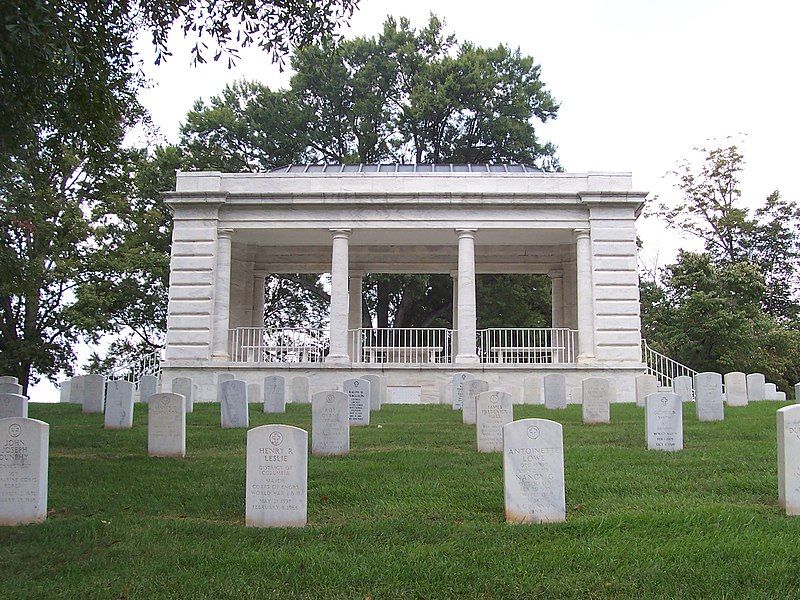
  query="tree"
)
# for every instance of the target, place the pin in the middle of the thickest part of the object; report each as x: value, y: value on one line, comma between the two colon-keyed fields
x: 713, y: 210
x: 710, y: 316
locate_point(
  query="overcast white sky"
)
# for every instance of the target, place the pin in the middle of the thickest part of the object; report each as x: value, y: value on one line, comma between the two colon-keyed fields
x: 640, y: 83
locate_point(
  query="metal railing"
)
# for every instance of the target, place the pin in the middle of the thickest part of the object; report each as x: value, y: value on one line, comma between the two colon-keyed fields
x: 507, y: 345
x: 149, y: 364
x: 279, y: 344
x: 401, y: 345
x: 663, y: 367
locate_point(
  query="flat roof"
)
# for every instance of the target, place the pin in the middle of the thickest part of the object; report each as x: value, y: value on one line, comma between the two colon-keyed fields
x: 336, y: 168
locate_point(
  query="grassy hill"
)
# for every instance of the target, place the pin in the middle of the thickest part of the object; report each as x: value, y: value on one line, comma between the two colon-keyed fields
x: 414, y: 511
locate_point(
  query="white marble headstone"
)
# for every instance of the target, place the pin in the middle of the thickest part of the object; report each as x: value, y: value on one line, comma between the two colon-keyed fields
x: 708, y: 397
x: 770, y: 391
x: 797, y: 392
x: 596, y: 398
x: 459, y: 383
x: 755, y: 387
x: 300, y: 390
x: 330, y: 423
x: 63, y: 391
x: 77, y: 389
x: 533, y: 392
x: 358, y: 391
x: 781, y: 397
x: 555, y: 391
x: 119, y: 405
x: 494, y: 411
x: 166, y: 425
x: 645, y: 385
x: 788, y: 419
x: 94, y: 393
x: 254, y: 394
x: 233, y: 404
x: 184, y: 387
x: 274, y: 394
x: 377, y: 391
x: 13, y: 405
x: 469, y: 411
x: 533, y: 471
x: 148, y: 385
x: 664, y: 421
x: 735, y: 389
x: 684, y: 387
x: 276, y: 493
x: 8, y: 379
x: 24, y: 448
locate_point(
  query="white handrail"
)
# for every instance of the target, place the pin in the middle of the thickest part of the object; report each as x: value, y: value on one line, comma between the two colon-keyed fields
x: 663, y: 367
x: 527, y: 345
x: 401, y: 345
x: 149, y: 364
x: 279, y: 344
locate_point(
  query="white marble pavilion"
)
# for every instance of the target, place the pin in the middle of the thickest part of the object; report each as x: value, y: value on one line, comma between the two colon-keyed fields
x: 232, y: 229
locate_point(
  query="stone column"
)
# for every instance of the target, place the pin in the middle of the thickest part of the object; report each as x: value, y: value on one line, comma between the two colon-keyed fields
x: 339, y: 296
x: 454, y: 338
x: 467, y: 313
x: 222, y: 296
x: 583, y: 247
x: 557, y: 281
x: 259, y: 278
x: 356, y: 286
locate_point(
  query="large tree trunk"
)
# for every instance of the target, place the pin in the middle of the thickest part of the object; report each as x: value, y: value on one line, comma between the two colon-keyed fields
x: 382, y: 307
x: 406, y: 298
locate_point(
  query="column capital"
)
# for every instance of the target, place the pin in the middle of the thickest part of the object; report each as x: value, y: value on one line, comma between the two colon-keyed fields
x: 356, y: 275
x: 257, y: 274
x: 340, y: 233
x: 454, y: 274
x: 556, y: 273
x: 581, y: 233
x: 468, y: 232
x: 224, y: 233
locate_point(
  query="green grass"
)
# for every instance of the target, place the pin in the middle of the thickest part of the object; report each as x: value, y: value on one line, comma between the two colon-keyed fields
x: 414, y: 511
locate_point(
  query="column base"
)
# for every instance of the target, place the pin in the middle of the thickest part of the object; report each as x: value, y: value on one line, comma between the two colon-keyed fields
x: 220, y: 358
x: 585, y: 359
x: 337, y: 359
x: 469, y: 359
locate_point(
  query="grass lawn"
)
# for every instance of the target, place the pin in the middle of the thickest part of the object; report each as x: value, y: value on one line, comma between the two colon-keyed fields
x: 414, y: 511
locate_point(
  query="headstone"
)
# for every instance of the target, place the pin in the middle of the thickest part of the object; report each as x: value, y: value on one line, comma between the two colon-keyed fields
x: 274, y: 394
x: 459, y: 383
x: 533, y: 392
x: 13, y: 406
x: 596, y: 400
x: 24, y: 448
x: 472, y: 387
x: 735, y: 389
x: 330, y: 424
x: 664, y: 421
x: 64, y: 390
x: 166, y: 425
x: 788, y: 419
x: 8, y: 379
x: 770, y: 391
x: 377, y: 390
x: 645, y: 385
x: 276, y: 493
x: 684, y: 387
x: 797, y: 392
x: 10, y: 388
x: 77, y: 389
x: 254, y: 393
x: 494, y: 411
x: 233, y: 404
x: 358, y: 392
x: 755, y: 387
x: 148, y: 385
x: 119, y: 405
x: 781, y: 397
x: 533, y: 471
x: 94, y: 393
x: 555, y: 391
x: 300, y: 390
x: 184, y: 387
x: 708, y: 397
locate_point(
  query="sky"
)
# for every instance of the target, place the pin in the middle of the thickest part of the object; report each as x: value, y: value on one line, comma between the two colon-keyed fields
x: 640, y: 84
